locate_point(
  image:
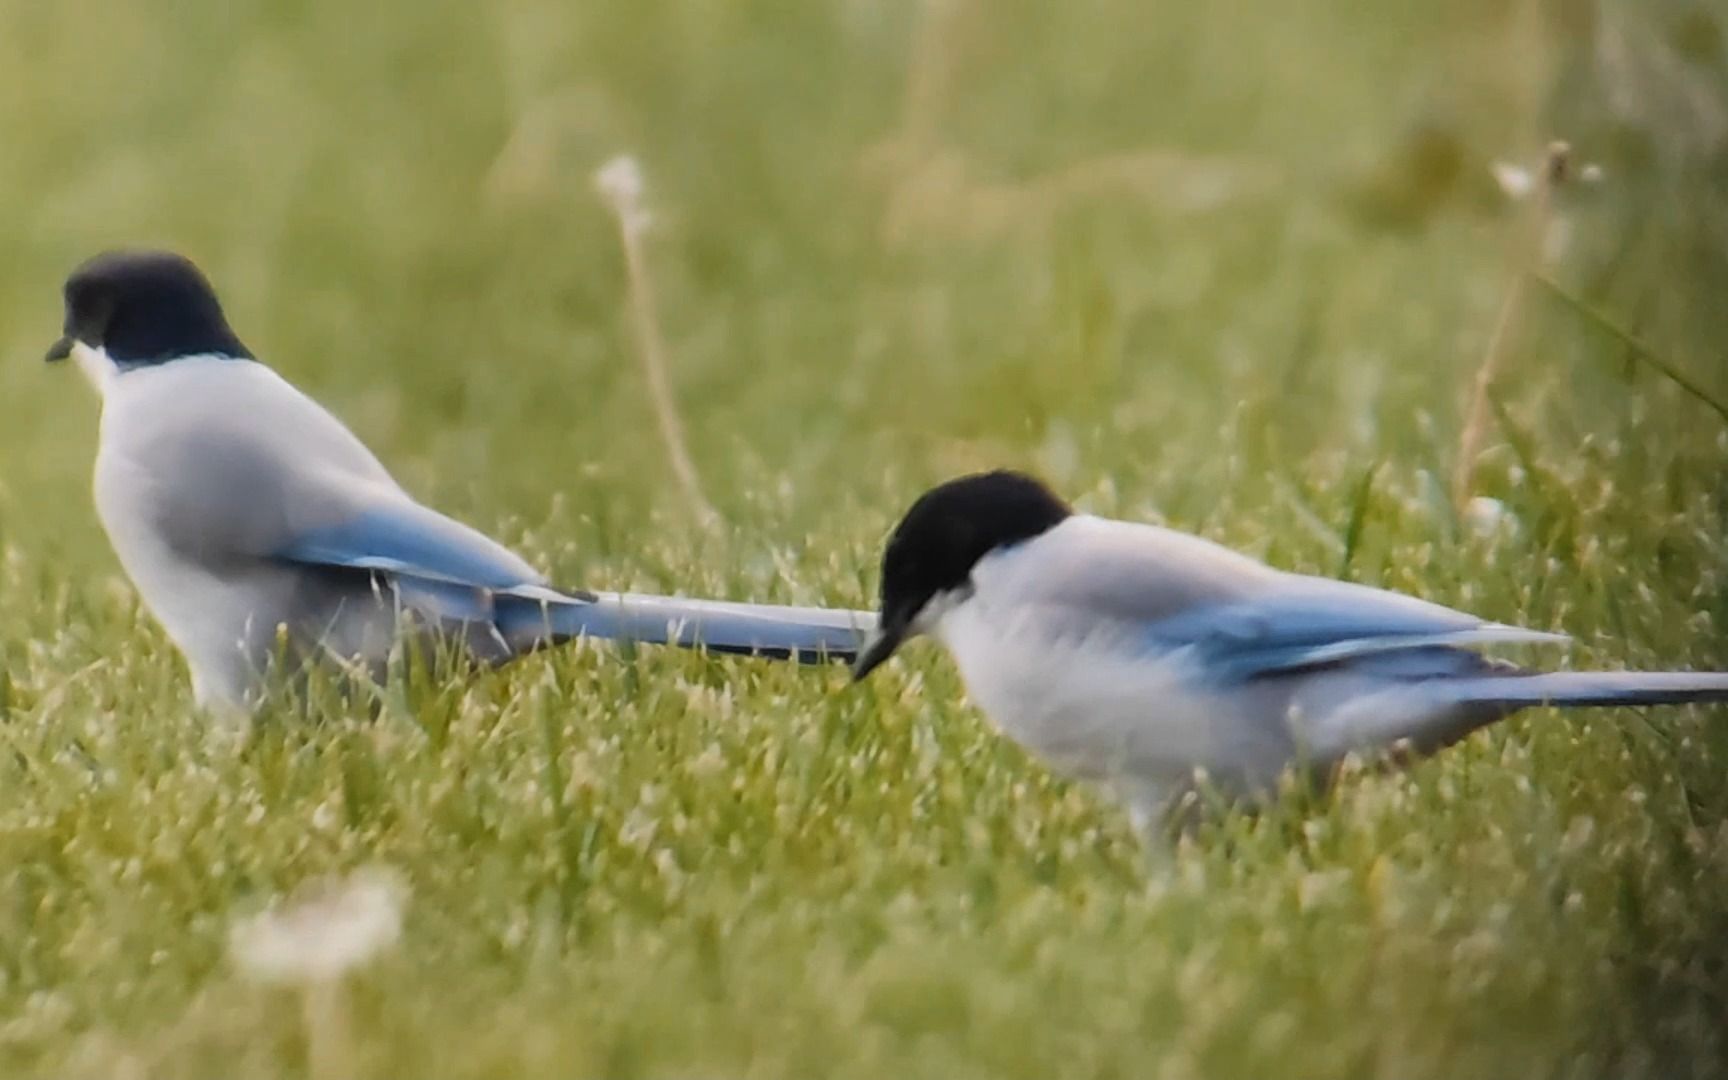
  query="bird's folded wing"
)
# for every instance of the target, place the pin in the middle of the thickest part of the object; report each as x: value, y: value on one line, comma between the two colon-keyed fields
x: 404, y: 539
x: 1149, y: 587
x: 1299, y: 622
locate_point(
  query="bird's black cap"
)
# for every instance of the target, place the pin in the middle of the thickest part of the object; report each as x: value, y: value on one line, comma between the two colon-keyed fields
x: 145, y: 307
x: 941, y: 538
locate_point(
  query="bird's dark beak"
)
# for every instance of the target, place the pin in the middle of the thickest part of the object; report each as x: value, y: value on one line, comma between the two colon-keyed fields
x: 880, y: 647
x: 60, y: 350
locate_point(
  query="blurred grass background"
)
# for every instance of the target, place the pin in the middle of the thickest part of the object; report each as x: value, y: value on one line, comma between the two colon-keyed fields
x: 1225, y: 266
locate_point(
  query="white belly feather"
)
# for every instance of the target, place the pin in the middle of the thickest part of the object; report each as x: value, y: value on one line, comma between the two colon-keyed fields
x: 1088, y: 706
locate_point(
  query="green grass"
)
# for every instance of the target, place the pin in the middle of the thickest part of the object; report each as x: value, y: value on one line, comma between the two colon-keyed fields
x: 664, y: 865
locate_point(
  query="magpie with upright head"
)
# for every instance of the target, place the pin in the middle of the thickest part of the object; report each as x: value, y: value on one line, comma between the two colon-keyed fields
x: 245, y: 513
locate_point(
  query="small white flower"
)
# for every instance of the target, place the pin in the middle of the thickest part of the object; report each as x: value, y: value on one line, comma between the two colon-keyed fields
x: 326, y: 817
x: 620, y: 183
x: 1516, y: 182
x: 638, y: 829
x: 1487, y: 516
x: 709, y: 763
x: 620, y: 179
x: 324, y: 930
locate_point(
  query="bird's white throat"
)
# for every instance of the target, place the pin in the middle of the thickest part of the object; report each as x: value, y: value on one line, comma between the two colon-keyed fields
x: 101, y: 369
x: 98, y: 367
x: 937, y: 609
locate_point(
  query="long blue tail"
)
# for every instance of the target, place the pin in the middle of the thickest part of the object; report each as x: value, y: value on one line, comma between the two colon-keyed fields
x: 805, y: 634
x: 1591, y: 688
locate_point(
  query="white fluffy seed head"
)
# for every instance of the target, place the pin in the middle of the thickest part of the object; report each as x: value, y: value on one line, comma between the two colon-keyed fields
x: 1515, y: 181
x: 322, y: 931
x: 620, y: 183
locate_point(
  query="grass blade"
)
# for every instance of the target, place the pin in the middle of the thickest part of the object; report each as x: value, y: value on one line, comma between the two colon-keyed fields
x: 1643, y: 353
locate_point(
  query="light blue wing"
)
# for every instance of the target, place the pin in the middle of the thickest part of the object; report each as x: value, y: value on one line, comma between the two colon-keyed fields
x: 436, y: 565
x: 1142, y: 587
x: 403, y: 537
x: 1310, y: 622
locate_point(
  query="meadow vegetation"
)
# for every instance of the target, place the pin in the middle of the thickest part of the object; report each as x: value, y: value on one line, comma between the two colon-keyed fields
x: 1225, y: 266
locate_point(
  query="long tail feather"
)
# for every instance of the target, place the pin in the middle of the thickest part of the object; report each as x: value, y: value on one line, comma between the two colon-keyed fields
x: 1591, y: 688
x: 805, y: 634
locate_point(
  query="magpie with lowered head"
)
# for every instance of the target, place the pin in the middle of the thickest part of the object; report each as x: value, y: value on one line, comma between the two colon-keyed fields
x: 242, y: 510
x: 1143, y: 658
